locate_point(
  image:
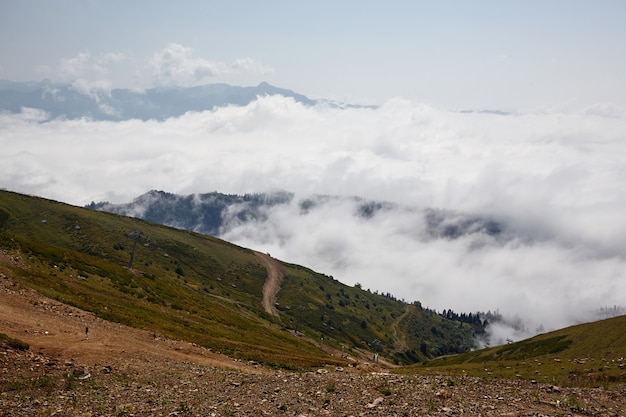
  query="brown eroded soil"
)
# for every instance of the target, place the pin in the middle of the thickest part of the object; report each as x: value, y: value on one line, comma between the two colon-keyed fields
x: 271, y: 286
x: 120, y: 371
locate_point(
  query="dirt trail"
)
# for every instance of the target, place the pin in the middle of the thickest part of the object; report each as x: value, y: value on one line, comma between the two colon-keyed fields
x: 396, y: 323
x: 275, y: 274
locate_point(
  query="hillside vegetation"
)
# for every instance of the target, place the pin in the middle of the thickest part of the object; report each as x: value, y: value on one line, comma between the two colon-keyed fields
x: 198, y: 288
x: 586, y: 354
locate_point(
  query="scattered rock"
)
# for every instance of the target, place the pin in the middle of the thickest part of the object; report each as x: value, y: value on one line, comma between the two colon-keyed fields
x: 375, y: 402
x: 80, y: 374
x: 150, y: 377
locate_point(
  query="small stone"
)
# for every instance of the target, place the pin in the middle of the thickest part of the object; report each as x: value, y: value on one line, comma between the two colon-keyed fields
x: 375, y: 402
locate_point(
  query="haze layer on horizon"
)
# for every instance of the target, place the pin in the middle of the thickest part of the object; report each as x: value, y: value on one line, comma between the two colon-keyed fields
x: 457, y: 54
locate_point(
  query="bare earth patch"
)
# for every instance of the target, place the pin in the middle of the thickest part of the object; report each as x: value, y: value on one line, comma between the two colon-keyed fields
x: 271, y: 286
x: 120, y: 371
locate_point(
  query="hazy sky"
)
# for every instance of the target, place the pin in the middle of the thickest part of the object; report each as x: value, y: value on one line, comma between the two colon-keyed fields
x: 553, y: 170
x: 457, y: 54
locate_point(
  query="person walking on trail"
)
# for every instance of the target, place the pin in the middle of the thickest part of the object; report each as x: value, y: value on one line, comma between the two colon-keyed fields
x: 86, y: 333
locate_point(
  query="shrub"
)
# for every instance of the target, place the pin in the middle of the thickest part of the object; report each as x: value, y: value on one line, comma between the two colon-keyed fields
x: 13, y: 343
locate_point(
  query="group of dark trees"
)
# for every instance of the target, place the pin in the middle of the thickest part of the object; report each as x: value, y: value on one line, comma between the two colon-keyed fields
x: 475, y: 320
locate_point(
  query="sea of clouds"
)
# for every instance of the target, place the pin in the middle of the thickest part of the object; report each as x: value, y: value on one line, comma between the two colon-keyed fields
x: 554, y: 178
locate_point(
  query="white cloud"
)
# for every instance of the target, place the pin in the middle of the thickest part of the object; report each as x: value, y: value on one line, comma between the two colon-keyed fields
x: 87, y: 74
x: 250, y: 65
x: 93, y: 89
x: 554, y: 179
x: 81, y: 66
x: 174, y: 65
x: 178, y: 65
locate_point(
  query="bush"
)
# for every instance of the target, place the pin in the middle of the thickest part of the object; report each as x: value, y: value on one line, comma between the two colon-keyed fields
x: 13, y: 343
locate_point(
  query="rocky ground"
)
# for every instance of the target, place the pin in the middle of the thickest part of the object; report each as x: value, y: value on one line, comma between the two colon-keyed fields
x: 120, y: 371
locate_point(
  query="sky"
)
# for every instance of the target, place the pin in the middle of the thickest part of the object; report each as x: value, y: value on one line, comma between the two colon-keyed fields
x: 457, y: 54
x: 551, y: 169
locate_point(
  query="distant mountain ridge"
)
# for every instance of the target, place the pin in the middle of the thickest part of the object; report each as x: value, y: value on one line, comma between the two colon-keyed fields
x: 211, y: 213
x: 75, y: 101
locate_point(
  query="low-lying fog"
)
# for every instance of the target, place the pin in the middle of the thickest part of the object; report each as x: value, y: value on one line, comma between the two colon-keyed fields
x: 552, y: 181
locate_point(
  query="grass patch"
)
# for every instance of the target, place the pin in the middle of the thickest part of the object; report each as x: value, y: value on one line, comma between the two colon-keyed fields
x: 13, y: 343
x: 27, y: 384
x: 533, y: 348
x: 589, y: 355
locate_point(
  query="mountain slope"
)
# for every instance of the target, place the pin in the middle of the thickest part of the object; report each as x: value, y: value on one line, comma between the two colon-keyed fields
x: 591, y: 353
x: 74, y: 101
x: 198, y: 288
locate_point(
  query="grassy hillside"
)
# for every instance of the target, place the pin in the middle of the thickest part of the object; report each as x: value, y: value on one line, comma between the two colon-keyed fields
x: 194, y: 287
x: 587, y: 354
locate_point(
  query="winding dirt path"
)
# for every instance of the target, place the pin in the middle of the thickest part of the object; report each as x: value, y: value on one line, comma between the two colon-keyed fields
x: 275, y: 275
x: 394, y: 327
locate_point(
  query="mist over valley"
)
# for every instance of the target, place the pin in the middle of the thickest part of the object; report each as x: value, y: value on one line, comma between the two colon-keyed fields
x: 514, y: 213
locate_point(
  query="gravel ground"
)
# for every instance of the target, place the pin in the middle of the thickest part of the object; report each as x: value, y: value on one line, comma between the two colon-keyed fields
x: 34, y: 384
x: 121, y: 371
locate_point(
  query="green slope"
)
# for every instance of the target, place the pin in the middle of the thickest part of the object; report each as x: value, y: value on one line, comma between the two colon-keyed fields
x: 194, y: 287
x: 586, y: 354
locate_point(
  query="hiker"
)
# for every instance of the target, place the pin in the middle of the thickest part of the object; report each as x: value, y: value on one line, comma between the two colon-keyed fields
x: 87, y: 333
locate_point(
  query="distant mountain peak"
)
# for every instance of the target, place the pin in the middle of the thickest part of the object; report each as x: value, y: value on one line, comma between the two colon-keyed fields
x: 123, y: 104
